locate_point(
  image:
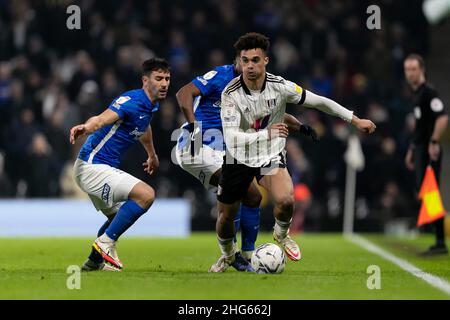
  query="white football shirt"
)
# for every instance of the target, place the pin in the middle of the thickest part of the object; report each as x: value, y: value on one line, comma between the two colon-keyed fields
x: 246, y: 115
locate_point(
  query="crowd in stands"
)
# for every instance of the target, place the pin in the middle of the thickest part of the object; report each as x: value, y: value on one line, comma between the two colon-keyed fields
x: 52, y: 78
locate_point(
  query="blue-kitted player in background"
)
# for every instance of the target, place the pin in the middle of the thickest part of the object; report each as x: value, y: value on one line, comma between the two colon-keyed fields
x: 200, y: 149
x: 120, y: 196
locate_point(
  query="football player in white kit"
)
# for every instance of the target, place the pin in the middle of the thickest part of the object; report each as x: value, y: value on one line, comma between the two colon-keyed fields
x: 253, y: 108
x: 200, y: 149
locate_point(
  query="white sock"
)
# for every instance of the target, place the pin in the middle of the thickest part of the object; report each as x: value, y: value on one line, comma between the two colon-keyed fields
x: 104, y: 238
x: 281, y: 228
x: 247, y: 254
x: 235, y: 247
x: 227, y: 246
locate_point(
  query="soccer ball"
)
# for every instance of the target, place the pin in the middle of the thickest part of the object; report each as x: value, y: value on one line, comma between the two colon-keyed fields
x: 268, y: 258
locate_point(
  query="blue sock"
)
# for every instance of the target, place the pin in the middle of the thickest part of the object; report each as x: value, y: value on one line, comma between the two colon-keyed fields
x: 127, y: 215
x: 95, y: 256
x: 249, y: 227
x: 237, y: 223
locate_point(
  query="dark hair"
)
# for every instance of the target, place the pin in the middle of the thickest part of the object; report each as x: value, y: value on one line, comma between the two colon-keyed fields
x: 252, y: 40
x: 418, y: 58
x: 155, y: 64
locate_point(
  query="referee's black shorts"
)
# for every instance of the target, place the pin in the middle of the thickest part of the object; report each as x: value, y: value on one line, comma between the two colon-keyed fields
x: 237, y: 177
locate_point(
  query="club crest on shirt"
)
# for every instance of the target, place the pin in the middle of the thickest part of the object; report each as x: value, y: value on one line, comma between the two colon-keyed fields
x: 271, y: 103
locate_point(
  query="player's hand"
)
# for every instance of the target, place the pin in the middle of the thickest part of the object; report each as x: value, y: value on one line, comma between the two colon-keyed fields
x: 195, y: 139
x: 151, y: 165
x: 409, y: 162
x: 434, y: 149
x: 309, y: 132
x: 77, y: 131
x: 278, y: 130
x: 364, y: 125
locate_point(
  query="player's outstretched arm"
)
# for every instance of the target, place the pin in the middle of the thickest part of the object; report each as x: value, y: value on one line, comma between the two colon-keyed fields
x: 93, y: 124
x: 151, y: 165
x: 363, y: 125
x: 329, y: 106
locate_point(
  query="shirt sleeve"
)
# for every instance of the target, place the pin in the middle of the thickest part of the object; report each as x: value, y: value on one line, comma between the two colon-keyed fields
x: 231, y: 120
x: 206, y: 83
x: 327, y: 105
x: 294, y: 93
x: 121, y: 106
x: 436, y: 105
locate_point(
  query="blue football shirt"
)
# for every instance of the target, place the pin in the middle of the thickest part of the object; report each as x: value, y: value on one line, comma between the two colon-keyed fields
x: 108, y: 144
x: 207, y: 105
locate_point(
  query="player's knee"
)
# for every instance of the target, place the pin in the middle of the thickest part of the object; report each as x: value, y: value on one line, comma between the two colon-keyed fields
x: 252, y: 199
x: 286, y: 203
x: 146, y: 198
x: 226, y: 219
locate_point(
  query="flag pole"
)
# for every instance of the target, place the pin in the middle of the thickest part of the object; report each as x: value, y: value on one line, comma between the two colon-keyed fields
x: 354, y: 158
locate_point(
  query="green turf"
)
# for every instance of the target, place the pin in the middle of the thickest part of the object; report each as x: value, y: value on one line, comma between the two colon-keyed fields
x: 331, y: 268
x: 411, y: 249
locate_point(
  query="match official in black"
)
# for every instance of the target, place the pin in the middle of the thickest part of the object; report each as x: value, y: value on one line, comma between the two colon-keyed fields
x: 431, y: 122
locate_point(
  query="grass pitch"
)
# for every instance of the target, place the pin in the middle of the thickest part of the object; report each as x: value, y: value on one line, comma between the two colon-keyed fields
x: 155, y: 268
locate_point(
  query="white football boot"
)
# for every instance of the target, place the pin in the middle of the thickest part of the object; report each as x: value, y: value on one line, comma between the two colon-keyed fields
x: 290, y: 247
x: 107, y: 248
x: 90, y: 265
x: 222, y: 264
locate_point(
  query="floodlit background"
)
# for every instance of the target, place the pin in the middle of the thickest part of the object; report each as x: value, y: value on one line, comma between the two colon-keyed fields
x: 52, y: 78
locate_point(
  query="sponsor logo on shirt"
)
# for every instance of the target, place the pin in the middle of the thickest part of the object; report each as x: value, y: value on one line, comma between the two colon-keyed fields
x: 261, y: 123
x: 136, y: 133
x: 105, y: 192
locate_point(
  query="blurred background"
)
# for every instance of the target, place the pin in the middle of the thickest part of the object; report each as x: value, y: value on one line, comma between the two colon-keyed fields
x: 52, y: 78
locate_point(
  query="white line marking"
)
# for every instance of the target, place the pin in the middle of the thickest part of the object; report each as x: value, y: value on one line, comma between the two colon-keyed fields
x: 432, y: 280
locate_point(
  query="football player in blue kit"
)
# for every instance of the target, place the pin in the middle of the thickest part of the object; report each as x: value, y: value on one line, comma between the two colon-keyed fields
x: 120, y: 196
x: 200, y: 149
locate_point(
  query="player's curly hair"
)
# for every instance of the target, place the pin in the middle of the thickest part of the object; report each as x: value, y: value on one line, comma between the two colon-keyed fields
x: 155, y: 64
x: 252, y: 40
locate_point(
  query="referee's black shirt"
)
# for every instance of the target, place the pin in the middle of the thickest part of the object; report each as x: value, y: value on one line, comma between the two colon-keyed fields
x: 427, y: 108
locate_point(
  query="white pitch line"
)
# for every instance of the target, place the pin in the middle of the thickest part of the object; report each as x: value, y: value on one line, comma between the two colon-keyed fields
x: 432, y: 280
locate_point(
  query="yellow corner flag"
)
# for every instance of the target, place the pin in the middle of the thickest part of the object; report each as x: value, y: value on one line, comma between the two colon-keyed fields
x: 432, y: 208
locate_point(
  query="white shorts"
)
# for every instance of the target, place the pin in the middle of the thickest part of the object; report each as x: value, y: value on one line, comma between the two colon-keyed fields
x: 108, y: 187
x: 203, y: 165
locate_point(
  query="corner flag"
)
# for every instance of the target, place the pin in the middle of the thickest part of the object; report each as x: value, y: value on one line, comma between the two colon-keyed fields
x: 432, y: 207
